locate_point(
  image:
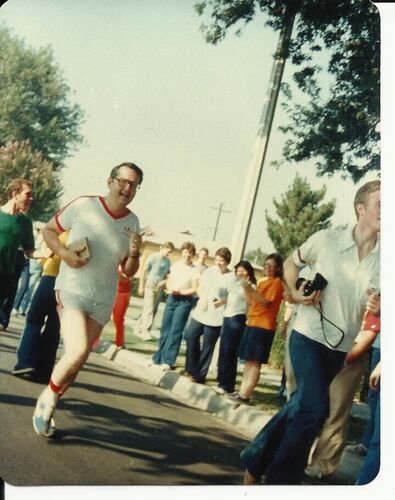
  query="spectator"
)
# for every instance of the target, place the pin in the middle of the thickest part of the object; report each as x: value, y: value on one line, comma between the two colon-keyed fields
x: 36, y: 353
x: 233, y: 325
x: 152, y: 282
x: 264, y: 304
x: 324, y: 329
x: 207, y: 317
x: 15, y: 230
x: 181, y: 285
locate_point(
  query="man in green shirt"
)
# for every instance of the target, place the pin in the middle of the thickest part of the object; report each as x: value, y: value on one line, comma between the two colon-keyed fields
x: 15, y: 231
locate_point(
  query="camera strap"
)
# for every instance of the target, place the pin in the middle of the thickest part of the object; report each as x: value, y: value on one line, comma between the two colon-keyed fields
x: 322, y: 318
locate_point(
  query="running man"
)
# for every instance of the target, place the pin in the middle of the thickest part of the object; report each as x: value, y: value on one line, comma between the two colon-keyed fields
x: 86, y: 287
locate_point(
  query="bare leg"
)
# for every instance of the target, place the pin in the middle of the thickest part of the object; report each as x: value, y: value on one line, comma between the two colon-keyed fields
x: 250, y: 378
x: 79, y: 332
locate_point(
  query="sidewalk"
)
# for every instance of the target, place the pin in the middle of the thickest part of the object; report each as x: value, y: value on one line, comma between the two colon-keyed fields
x: 247, y: 419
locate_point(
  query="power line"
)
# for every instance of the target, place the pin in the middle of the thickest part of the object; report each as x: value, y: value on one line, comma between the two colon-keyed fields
x: 221, y: 210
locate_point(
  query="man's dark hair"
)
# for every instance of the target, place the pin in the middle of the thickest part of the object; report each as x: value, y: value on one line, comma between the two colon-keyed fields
x: 225, y: 253
x: 187, y: 245
x: 245, y: 264
x: 133, y: 166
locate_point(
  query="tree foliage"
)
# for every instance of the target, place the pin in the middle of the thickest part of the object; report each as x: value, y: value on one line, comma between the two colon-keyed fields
x: 256, y: 256
x: 339, y: 124
x: 18, y: 159
x: 300, y: 213
x: 35, y: 100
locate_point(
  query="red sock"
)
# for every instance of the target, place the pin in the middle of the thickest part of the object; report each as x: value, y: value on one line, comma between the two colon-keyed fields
x: 54, y: 388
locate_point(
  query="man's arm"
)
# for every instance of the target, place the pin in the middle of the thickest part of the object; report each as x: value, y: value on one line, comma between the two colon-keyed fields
x: 51, y: 234
x: 291, y: 273
x: 39, y: 253
x: 132, y: 262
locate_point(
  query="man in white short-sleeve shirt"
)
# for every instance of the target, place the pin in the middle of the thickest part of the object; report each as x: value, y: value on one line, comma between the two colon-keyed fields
x: 87, y: 281
x: 326, y: 324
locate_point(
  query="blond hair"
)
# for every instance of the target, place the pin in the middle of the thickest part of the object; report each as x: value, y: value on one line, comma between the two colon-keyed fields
x: 362, y: 195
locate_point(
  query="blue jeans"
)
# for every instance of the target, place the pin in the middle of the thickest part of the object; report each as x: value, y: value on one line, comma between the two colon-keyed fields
x: 23, y: 285
x: 371, y: 465
x: 230, y: 336
x: 198, y: 358
x: 373, y: 397
x: 371, y: 435
x: 281, y: 448
x: 37, y: 346
x: 6, y: 306
x: 34, y: 278
x: 175, y: 316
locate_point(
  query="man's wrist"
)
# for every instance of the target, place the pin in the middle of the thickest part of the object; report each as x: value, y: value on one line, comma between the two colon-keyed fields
x: 134, y: 255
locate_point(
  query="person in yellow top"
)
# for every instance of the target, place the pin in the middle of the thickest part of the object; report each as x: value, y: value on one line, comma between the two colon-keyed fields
x: 36, y: 353
x: 264, y: 303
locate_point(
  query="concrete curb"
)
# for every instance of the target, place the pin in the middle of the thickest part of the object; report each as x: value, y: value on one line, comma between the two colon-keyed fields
x: 245, y: 418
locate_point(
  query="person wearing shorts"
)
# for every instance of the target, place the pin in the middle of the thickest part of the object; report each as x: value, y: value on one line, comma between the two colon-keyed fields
x: 86, y: 285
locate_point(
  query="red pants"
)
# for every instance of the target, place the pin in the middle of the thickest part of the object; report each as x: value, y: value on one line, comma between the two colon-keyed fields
x: 118, y: 315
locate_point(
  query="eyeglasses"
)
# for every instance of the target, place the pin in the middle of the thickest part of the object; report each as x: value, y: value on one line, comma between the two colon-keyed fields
x: 134, y: 186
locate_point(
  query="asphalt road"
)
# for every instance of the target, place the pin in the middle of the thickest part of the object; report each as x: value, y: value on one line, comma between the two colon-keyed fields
x: 111, y: 430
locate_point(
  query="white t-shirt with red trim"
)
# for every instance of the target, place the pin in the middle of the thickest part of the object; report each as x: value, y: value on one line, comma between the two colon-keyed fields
x: 108, y: 238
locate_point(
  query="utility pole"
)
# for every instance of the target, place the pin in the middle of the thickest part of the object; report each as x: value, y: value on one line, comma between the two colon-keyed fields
x: 251, y: 185
x: 220, y: 211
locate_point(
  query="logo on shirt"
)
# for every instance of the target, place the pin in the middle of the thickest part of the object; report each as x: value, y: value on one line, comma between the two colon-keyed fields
x: 127, y: 231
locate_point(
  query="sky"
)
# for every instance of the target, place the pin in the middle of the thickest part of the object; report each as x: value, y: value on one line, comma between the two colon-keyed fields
x: 155, y: 93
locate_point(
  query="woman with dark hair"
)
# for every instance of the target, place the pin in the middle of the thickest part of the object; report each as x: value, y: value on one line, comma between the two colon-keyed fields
x: 233, y: 325
x: 264, y: 304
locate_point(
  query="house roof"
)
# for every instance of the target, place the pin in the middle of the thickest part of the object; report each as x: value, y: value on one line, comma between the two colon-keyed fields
x: 150, y: 234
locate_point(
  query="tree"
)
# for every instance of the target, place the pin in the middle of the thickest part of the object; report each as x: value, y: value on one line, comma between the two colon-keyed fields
x: 256, y: 256
x: 339, y: 123
x: 35, y: 100
x: 301, y: 213
x: 18, y: 159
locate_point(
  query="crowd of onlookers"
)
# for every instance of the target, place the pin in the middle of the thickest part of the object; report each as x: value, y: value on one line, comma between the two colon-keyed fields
x: 329, y: 287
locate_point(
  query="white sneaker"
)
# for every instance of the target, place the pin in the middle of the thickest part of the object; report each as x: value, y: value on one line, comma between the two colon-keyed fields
x: 43, y: 422
x: 165, y: 367
x: 219, y: 390
x: 144, y: 335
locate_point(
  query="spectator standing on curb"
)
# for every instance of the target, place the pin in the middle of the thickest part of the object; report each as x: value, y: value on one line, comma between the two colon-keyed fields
x: 181, y: 286
x: 87, y: 281
x: 15, y: 230
x: 152, y: 282
x: 324, y: 329
x: 264, y: 304
x: 207, y: 317
x: 233, y: 325
x: 200, y: 262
